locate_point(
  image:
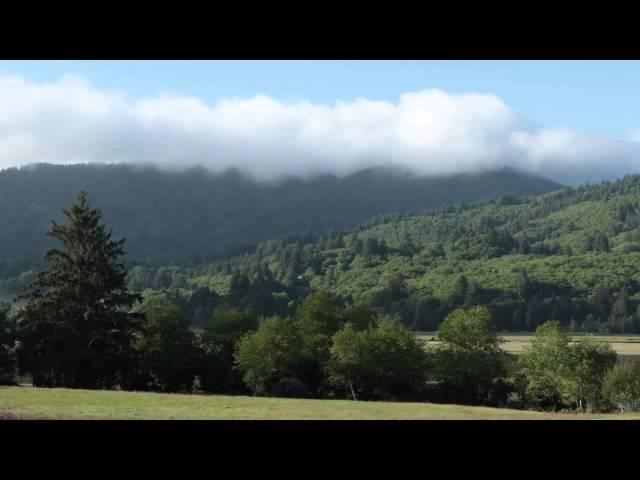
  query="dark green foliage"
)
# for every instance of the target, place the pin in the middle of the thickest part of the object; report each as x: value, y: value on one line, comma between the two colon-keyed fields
x: 398, y: 288
x: 459, y: 291
x: 359, y: 316
x: 590, y: 364
x: 621, y: 386
x: 525, y: 287
x: 546, y: 366
x: 75, y: 330
x: 470, y: 329
x: 293, y: 357
x: 555, y: 373
x: 384, y: 361
x: 621, y: 310
x: 290, y: 387
x: 8, y: 363
x: 167, y: 349
x: 513, y: 264
x: 459, y: 257
x: 272, y: 354
x: 318, y: 314
x: 218, y: 342
x: 597, y: 242
x: 428, y: 313
x: 319, y: 319
x: 469, y: 363
x: 194, y: 216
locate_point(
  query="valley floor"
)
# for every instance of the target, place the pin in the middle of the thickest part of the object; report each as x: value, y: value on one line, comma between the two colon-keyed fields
x: 37, y: 403
x: 627, y: 345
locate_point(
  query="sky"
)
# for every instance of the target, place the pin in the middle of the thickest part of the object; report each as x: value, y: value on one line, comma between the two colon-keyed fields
x: 574, y: 121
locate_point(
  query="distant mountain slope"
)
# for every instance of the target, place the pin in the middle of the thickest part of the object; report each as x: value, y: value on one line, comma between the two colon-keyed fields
x: 195, y: 216
x: 571, y: 255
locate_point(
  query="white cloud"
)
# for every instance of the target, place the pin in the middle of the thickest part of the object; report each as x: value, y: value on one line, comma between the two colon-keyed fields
x: 427, y: 132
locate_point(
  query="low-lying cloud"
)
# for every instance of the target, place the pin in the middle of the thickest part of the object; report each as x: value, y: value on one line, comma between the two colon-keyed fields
x: 426, y: 132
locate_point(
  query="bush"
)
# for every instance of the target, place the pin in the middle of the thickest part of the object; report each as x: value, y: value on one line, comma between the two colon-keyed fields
x: 385, y: 361
x: 290, y: 387
x: 359, y: 315
x: 275, y: 351
x: 469, y: 365
x: 546, y: 366
x: 590, y: 363
x: 318, y: 314
x: 168, y: 352
x: 621, y: 386
x: 557, y: 374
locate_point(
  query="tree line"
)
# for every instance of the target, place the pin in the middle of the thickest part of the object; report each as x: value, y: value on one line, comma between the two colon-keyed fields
x: 569, y: 256
x: 79, y: 329
x: 195, y: 216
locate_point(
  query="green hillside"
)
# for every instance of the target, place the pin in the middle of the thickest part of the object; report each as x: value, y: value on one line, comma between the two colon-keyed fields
x: 567, y: 255
x: 194, y: 216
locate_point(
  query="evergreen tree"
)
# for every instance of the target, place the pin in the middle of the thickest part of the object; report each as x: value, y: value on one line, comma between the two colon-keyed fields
x: 168, y: 350
x: 398, y: 287
x: 525, y: 288
x: 621, y: 309
x: 459, y: 292
x: 473, y: 295
x: 7, y: 350
x: 76, y: 330
x: 225, y: 327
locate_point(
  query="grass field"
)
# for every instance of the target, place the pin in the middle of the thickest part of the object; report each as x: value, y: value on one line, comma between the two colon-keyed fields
x: 624, y: 345
x: 36, y: 403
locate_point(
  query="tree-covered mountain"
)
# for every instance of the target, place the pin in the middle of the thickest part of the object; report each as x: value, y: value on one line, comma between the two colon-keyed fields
x: 195, y: 216
x: 571, y: 256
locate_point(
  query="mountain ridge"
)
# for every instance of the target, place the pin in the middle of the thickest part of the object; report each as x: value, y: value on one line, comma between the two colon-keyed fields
x: 192, y: 216
x: 570, y: 255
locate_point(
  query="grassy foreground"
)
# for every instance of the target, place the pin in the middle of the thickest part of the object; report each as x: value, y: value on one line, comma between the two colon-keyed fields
x: 39, y: 403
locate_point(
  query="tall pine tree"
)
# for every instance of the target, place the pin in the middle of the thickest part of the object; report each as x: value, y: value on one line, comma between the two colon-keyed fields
x: 76, y: 330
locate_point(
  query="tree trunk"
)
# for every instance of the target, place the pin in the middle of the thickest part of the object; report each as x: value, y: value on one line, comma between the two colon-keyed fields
x: 352, y: 391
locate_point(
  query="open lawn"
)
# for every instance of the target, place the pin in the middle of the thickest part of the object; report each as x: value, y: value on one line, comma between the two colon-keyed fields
x: 625, y: 345
x: 25, y: 403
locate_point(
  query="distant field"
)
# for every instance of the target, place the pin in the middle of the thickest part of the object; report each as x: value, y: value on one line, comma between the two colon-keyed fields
x: 624, y: 345
x: 27, y: 403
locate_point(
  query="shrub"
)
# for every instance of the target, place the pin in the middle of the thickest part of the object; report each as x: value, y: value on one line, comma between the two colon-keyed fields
x: 275, y: 351
x: 469, y: 364
x: 384, y: 361
x: 621, y: 386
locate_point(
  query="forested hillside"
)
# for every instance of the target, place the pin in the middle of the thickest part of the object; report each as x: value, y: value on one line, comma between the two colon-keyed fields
x: 194, y: 216
x: 571, y: 255
x: 82, y: 326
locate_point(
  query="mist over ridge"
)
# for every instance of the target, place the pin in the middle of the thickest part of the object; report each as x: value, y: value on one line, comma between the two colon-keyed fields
x: 194, y: 215
x: 427, y: 132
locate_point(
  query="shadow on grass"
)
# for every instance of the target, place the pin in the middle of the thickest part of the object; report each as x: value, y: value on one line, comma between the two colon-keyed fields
x: 15, y: 416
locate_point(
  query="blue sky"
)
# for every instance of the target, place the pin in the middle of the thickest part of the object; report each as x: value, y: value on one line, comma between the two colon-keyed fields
x: 594, y: 96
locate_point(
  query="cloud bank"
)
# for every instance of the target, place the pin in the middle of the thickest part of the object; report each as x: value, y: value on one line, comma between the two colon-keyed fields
x: 426, y: 132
